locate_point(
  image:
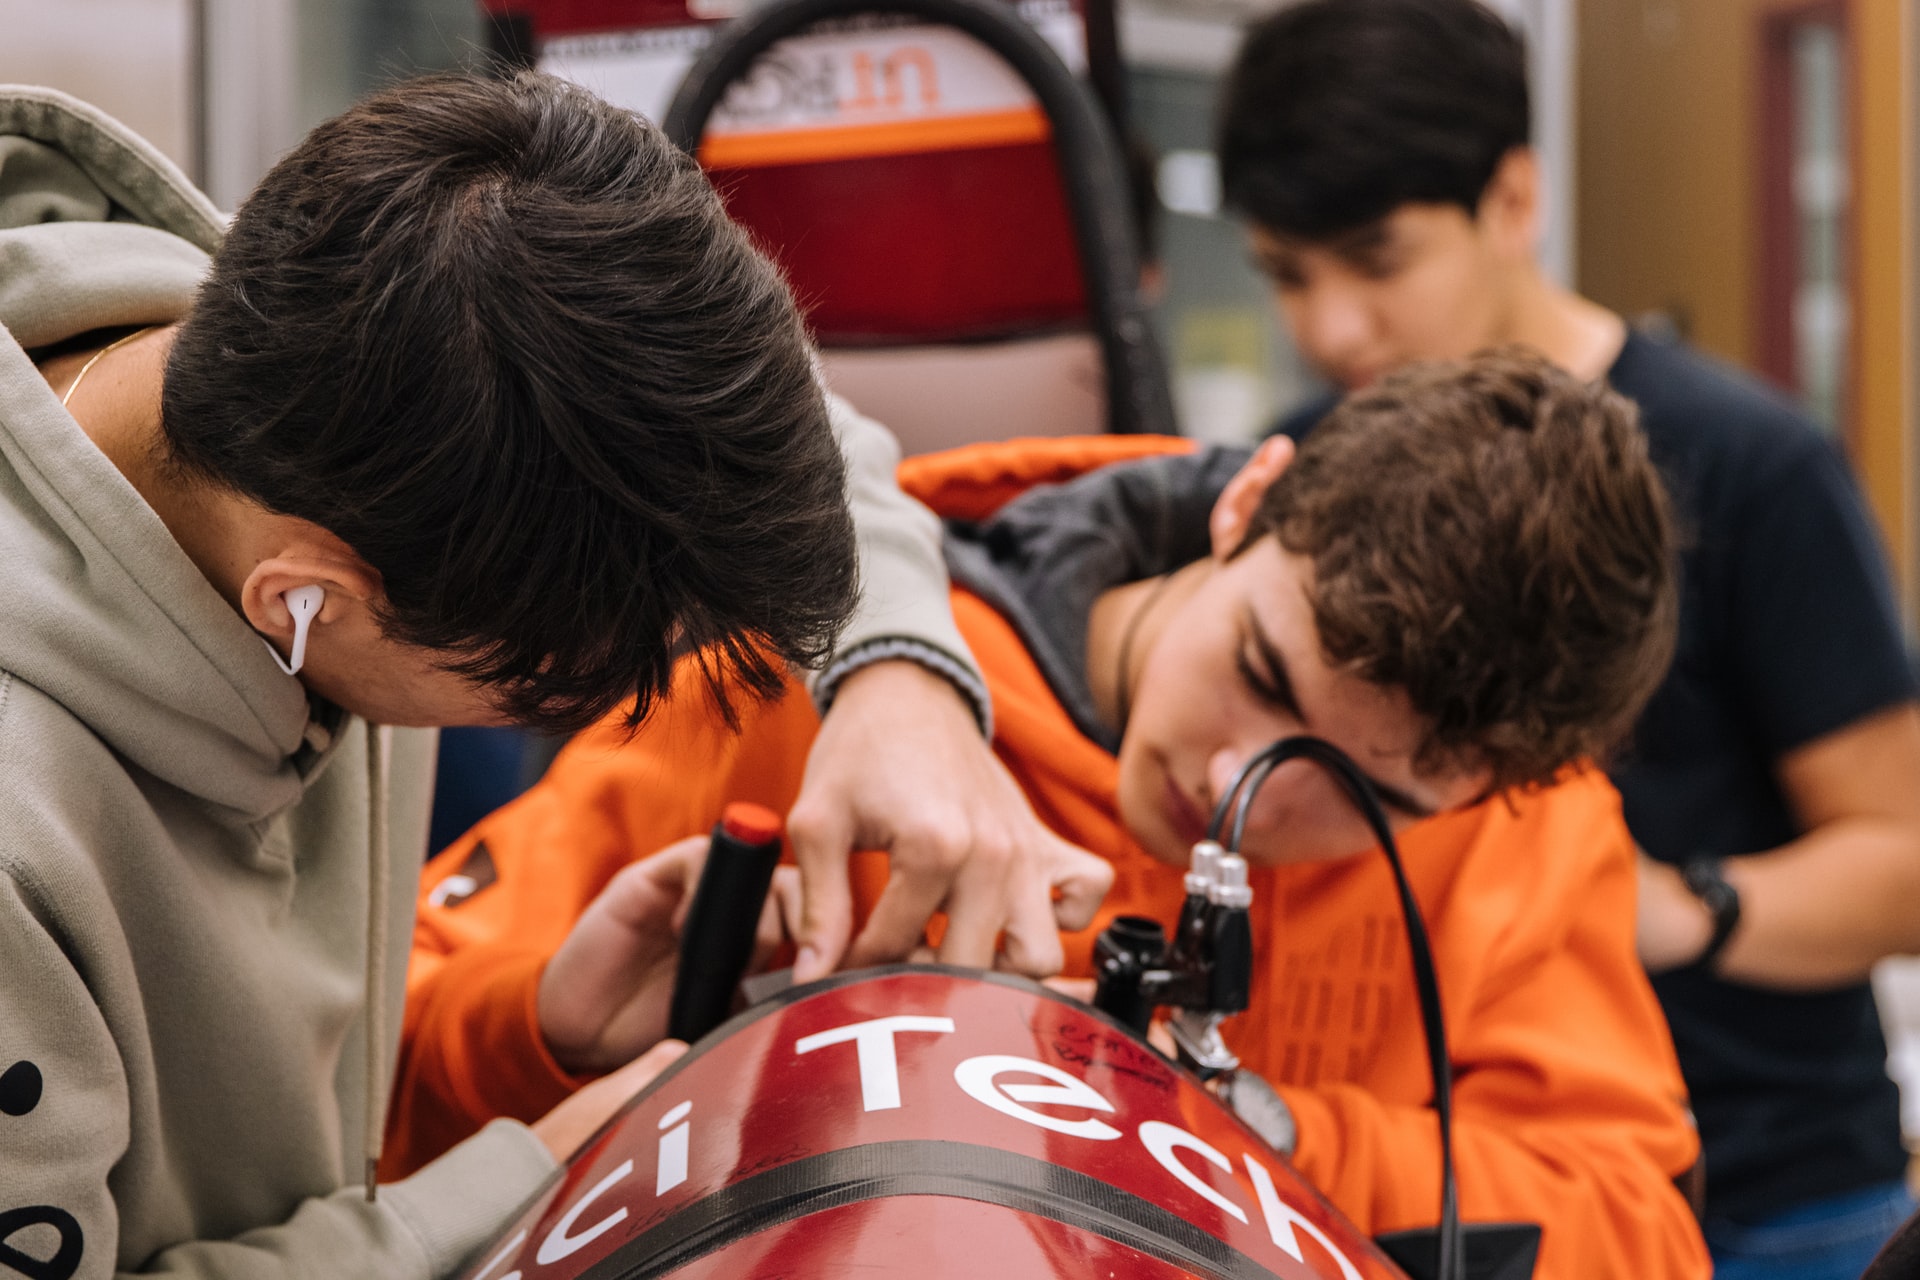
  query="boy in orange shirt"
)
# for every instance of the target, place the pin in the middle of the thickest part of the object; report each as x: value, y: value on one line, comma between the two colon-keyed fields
x: 1463, y: 580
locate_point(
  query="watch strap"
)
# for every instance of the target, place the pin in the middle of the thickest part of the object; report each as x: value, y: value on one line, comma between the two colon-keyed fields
x: 1706, y: 880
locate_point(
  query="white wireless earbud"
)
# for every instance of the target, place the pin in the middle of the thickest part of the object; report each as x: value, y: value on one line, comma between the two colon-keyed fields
x: 304, y: 604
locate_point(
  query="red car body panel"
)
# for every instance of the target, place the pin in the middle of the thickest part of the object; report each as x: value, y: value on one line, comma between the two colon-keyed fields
x: 931, y: 1122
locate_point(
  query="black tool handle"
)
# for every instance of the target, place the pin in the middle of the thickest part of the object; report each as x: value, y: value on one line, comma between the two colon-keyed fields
x: 716, y: 944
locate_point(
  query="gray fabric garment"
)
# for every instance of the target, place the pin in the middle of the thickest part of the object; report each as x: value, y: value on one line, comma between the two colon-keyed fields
x: 1046, y: 556
x: 903, y: 594
x: 183, y: 843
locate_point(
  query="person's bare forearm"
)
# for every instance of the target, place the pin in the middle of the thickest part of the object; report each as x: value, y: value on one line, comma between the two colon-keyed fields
x: 1823, y: 910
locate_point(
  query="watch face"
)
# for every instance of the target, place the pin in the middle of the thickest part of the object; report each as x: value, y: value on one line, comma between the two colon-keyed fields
x: 1264, y: 1111
x: 1702, y: 877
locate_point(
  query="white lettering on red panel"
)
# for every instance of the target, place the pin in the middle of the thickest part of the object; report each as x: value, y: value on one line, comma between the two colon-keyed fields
x: 873, y: 1040
x: 982, y: 1079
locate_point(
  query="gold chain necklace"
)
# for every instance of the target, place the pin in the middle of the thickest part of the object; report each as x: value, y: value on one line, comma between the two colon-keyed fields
x: 95, y: 359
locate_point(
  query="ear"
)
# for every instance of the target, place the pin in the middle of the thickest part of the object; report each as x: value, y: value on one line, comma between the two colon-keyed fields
x: 1511, y: 208
x: 349, y: 584
x: 1233, y: 512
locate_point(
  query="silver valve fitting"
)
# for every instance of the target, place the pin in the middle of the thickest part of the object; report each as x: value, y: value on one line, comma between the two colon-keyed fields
x: 1196, y: 1035
x: 1203, y: 868
x: 1230, y: 887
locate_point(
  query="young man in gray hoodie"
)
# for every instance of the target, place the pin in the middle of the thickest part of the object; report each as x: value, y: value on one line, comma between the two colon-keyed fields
x: 481, y: 412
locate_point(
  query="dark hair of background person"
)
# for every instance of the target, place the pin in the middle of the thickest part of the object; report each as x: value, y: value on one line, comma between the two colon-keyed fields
x: 1337, y: 112
x: 500, y: 338
x: 1492, y: 537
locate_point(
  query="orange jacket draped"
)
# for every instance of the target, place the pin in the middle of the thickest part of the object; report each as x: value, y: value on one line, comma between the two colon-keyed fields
x: 1568, y: 1100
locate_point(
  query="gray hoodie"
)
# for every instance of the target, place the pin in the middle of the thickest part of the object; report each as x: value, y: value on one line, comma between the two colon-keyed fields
x: 197, y: 901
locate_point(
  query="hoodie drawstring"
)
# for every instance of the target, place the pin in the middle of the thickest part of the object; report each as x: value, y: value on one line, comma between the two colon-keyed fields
x: 378, y: 858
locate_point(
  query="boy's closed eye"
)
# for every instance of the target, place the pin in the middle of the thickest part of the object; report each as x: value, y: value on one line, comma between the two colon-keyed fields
x: 1263, y: 668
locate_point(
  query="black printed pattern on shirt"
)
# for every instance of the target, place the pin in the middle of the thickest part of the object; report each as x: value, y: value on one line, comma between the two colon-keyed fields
x: 21, y: 1087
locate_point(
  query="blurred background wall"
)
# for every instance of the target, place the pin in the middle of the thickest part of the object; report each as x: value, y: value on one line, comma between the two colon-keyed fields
x: 1746, y: 175
x: 225, y: 87
x: 133, y: 58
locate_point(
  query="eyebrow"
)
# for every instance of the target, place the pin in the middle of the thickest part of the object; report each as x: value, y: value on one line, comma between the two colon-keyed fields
x: 1354, y: 246
x: 1281, y: 691
x: 1361, y: 241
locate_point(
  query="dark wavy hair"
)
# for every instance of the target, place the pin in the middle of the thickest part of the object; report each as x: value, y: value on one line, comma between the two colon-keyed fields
x: 500, y: 338
x: 1491, y: 537
x: 1337, y: 112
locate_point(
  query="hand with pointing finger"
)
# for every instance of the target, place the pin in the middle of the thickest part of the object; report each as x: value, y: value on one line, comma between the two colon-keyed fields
x: 900, y: 766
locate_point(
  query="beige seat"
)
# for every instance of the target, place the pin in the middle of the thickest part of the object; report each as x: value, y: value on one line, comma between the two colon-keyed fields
x: 940, y: 397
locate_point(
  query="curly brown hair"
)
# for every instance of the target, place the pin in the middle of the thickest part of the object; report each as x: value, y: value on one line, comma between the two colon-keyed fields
x: 1492, y: 537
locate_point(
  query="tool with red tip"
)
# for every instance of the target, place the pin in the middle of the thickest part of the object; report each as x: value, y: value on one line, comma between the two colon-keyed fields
x: 716, y: 943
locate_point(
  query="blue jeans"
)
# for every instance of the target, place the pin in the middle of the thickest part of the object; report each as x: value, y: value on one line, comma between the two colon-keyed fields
x: 1831, y: 1239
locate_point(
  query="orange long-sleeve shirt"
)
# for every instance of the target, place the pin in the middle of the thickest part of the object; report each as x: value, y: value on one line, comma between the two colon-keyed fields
x: 1568, y: 1102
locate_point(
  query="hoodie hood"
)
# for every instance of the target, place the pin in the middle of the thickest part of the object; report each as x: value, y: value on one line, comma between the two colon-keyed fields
x: 100, y: 609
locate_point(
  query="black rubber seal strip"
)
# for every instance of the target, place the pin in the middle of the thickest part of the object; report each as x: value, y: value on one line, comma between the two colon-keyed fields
x: 923, y: 1168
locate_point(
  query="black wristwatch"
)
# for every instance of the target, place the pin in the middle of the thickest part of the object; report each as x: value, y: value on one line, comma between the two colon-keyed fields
x: 1704, y: 880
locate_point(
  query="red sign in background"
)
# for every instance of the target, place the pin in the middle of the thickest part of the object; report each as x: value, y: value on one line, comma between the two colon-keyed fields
x: 936, y: 1123
x: 935, y: 244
